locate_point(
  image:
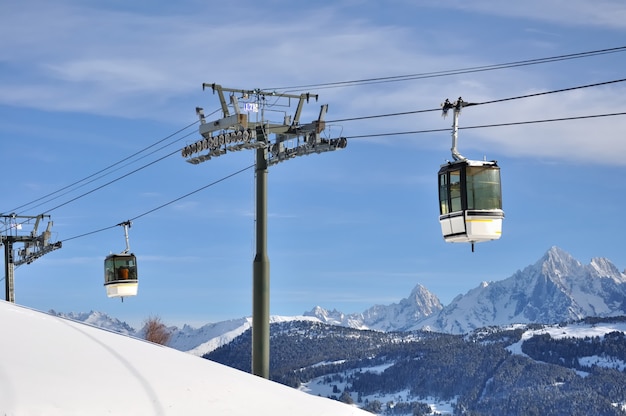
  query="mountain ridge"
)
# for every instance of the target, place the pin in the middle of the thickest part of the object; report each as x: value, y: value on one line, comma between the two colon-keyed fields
x: 399, y: 316
x: 556, y: 288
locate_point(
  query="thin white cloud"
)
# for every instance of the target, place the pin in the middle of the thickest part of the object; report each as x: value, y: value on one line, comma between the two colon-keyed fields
x: 603, y: 13
x: 70, y: 57
x: 125, y: 74
x: 589, y: 140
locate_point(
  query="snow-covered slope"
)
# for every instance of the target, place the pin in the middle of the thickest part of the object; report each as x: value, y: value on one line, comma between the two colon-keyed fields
x: 556, y: 288
x: 55, y: 366
x: 196, y: 341
x: 99, y: 319
x: 199, y: 341
x: 209, y: 337
x: 575, y: 330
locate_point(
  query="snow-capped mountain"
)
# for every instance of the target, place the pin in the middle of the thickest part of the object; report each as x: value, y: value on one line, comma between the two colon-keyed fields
x: 395, y: 317
x: 98, y: 319
x: 556, y: 288
x: 200, y: 341
x: 196, y: 341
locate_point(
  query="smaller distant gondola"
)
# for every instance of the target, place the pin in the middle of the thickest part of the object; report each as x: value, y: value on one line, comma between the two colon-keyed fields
x: 470, y: 194
x: 120, y: 275
x: 120, y: 271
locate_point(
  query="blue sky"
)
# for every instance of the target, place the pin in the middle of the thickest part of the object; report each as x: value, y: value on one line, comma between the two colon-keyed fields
x: 85, y: 84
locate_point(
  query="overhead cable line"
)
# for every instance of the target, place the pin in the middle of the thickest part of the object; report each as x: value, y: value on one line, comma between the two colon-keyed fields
x: 105, y: 169
x: 108, y: 183
x: 379, y: 80
x: 366, y: 81
x: 110, y: 172
x: 338, y: 120
x: 549, y: 92
x: 348, y: 137
x: 549, y: 120
x: 481, y: 103
x: 165, y: 204
x: 488, y: 125
x: 404, y: 113
x: 382, y: 134
x: 110, y: 166
x: 114, y: 180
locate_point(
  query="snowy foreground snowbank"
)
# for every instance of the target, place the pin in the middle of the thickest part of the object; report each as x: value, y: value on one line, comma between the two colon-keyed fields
x: 54, y: 366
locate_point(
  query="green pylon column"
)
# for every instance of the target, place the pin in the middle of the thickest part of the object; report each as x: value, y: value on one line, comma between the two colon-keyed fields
x: 9, y: 288
x: 261, y: 275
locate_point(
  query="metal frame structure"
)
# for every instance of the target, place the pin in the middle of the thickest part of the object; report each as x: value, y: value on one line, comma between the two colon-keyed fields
x: 34, y: 247
x: 236, y: 132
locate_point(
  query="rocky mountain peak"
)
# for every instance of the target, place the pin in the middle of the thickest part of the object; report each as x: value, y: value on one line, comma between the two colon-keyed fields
x: 557, y: 288
x: 557, y: 263
x: 605, y: 268
x: 99, y: 319
x: 395, y: 317
x: 423, y: 301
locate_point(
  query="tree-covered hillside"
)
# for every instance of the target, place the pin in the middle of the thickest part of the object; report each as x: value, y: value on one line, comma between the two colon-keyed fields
x: 477, y: 372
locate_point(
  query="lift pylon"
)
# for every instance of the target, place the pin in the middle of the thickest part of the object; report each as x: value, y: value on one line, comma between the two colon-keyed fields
x: 235, y: 132
x: 34, y: 246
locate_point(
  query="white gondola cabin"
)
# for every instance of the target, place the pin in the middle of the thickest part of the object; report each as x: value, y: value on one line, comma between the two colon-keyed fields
x: 470, y: 201
x: 120, y: 275
x: 470, y: 194
x: 120, y: 271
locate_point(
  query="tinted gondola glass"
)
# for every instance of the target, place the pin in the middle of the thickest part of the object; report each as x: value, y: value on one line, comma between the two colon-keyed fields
x: 120, y: 275
x: 470, y: 201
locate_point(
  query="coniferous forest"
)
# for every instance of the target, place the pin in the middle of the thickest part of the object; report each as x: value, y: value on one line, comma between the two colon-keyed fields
x: 477, y: 371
